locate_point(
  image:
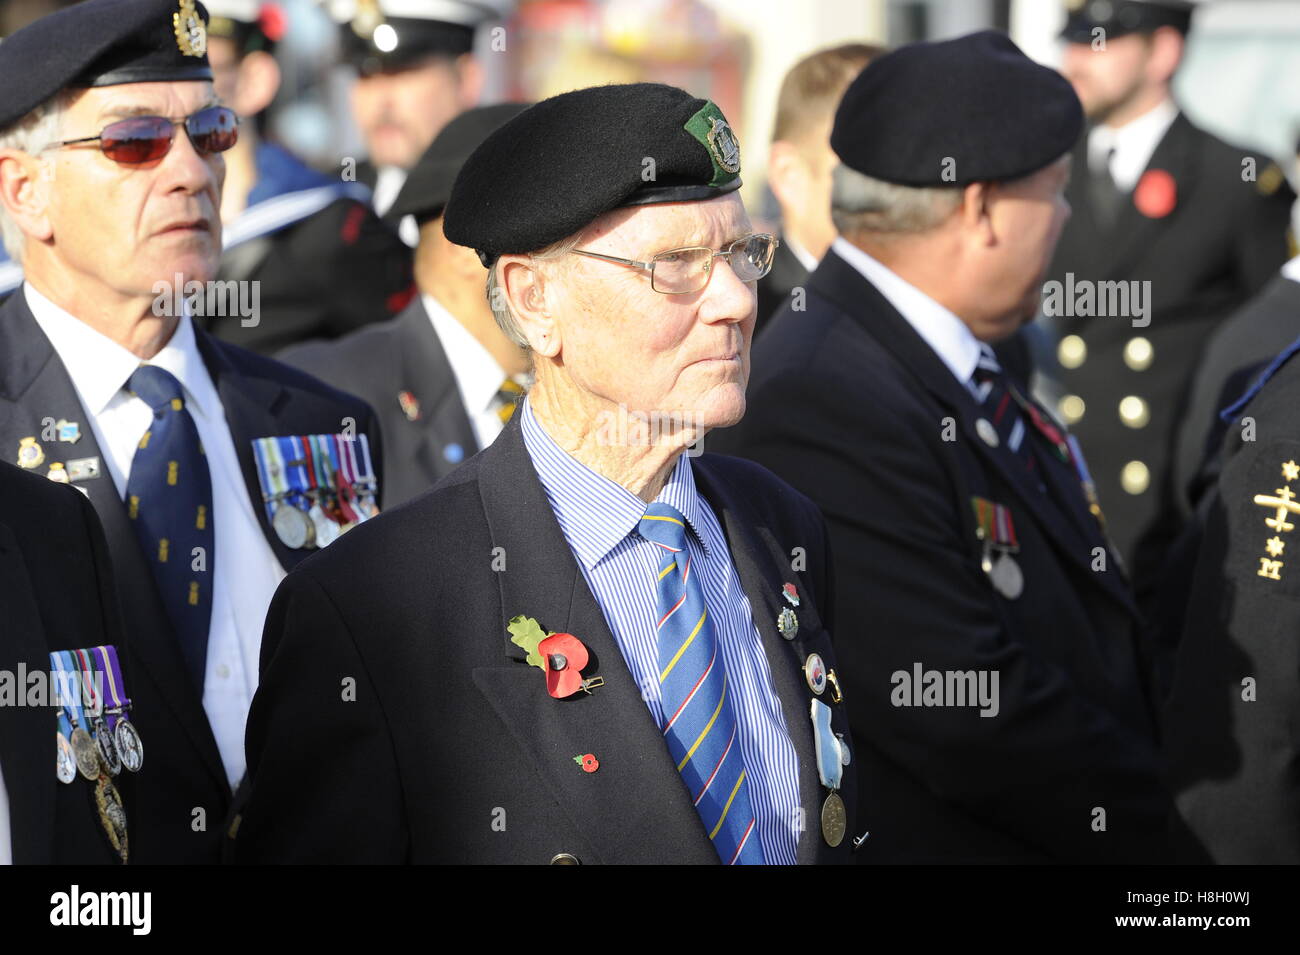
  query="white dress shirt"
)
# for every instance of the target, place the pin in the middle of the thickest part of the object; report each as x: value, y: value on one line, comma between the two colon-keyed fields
x: 245, y: 571
x: 478, y: 376
x: 806, y: 258
x: 949, y: 337
x: 1134, y: 143
x: 388, y: 183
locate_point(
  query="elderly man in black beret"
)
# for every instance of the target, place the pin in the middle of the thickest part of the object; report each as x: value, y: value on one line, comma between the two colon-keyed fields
x: 443, y: 377
x: 583, y: 645
x: 998, y: 684
x: 193, y: 452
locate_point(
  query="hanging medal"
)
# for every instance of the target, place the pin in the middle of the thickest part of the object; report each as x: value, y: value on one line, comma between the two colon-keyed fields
x: 830, y: 768
x: 367, y: 481
x: 83, y: 747
x: 65, y: 764
x: 327, y: 493
x: 92, y: 683
x: 998, y: 532
x: 127, y: 741
x: 325, y: 530
x: 347, y: 494
x: 297, y: 505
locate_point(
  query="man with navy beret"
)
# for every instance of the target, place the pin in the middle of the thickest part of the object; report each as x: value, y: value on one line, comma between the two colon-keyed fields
x: 1187, y: 227
x: 193, y: 452
x: 990, y: 644
x: 583, y: 645
x: 443, y: 377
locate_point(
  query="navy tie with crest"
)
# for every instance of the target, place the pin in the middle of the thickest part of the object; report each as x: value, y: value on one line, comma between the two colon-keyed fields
x: 169, y: 502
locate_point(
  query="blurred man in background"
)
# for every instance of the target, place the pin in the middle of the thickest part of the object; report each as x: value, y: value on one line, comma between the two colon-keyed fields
x: 1187, y: 225
x: 415, y: 71
x: 324, y: 262
x: 799, y: 166
x: 442, y: 375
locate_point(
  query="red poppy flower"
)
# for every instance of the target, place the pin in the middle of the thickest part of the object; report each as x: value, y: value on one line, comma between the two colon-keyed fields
x: 1156, y: 194
x: 564, y: 656
x: 589, y: 763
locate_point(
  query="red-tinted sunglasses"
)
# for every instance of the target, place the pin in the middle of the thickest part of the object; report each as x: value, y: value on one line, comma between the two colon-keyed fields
x: 142, y: 139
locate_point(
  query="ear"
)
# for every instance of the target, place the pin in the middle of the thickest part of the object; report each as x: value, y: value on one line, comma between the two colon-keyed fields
x: 787, y: 173
x: 524, y: 286
x: 258, y: 82
x: 976, y: 215
x: 1166, y: 53
x: 470, y: 72
x: 23, y: 192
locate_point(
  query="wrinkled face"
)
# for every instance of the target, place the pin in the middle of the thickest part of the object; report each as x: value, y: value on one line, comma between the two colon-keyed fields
x: 1107, y: 79
x: 1028, y: 216
x: 630, y: 345
x: 127, y: 227
x: 401, y: 112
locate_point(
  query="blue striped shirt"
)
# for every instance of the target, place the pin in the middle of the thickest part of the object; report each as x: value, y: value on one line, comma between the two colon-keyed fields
x: 599, y: 519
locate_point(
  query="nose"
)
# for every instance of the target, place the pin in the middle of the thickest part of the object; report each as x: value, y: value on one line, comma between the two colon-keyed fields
x: 726, y: 297
x: 188, y: 169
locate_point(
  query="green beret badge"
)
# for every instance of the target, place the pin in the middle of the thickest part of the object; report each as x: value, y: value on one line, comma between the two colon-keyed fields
x: 713, y: 131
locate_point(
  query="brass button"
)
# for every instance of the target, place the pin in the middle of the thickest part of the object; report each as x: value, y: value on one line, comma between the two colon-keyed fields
x: 1071, y: 408
x: 1134, y: 412
x: 565, y: 858
x: 1138, y: 353
x: 1135, y: 478
x: 1072, y: 351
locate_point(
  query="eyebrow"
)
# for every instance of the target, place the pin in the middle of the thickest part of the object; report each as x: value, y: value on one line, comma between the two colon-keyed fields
x: 126, y: 112
x: 704, y: 245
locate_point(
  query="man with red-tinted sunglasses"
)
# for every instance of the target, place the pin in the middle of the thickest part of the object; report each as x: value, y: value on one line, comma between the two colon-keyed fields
x: 111, y: 170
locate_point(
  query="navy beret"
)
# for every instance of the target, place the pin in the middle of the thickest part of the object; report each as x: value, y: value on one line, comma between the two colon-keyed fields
x: 560, y: 165
x: 973, y: 109
x: 427, y: 186
x: 102, y: 43
x: 1118, y: 17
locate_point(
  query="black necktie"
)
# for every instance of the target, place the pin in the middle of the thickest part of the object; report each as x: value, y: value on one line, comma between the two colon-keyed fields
x: 1107, y: 198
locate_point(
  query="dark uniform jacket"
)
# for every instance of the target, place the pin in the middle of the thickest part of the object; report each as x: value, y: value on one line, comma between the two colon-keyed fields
x: 56, y: 593
x: 451, y: 750
x: 182, y: 767
x: 1217, y: 246
x: 851, y: 406
x: 1232, y: 721
x: 326, y: 263
x: 426, y: 436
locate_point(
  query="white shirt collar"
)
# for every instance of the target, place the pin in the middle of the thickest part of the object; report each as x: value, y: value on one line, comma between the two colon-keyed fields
x: 1134, y: 143
x: 1292, y: 269
x: 100, y: 367
x: 478, y: 376
x: 806, y: 258
x: 945, y: 333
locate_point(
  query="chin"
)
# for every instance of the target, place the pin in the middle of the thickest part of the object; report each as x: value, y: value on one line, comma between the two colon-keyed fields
x: 724, y: 410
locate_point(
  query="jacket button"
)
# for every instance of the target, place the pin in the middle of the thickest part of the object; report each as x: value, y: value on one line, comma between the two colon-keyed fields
x: 1138, y: 353
x: 1071, y: 408
x: 565, y: 858
x: 1134, y: 412
x: 1072, y: 352
x: 1135, y: 477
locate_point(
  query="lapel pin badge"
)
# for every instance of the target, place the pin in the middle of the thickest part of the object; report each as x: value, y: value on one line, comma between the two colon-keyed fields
x: 588, y: 762
x: 561, y: 656
x: 791, y: 594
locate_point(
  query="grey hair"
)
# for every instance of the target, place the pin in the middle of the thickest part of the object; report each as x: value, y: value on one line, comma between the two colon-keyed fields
x: 860, y: 203
x: 32, y: 134
x: 499, y: 302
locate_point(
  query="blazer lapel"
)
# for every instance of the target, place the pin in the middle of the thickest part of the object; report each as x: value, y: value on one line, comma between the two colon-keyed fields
x: 25, y: 747
x: 834, y: 279
x: 759, y: 559
x: 1134, y: 231
x: 634, y: 808
x: 446, y: 421
x: 35, y: 374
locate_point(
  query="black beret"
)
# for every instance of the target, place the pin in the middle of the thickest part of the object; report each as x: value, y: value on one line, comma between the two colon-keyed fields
x: 1118, y: 17
x: 382, y: 35
x: 973, y: 109
x: 425, y: 192
x: 102, y: 43
x: 560, y: 165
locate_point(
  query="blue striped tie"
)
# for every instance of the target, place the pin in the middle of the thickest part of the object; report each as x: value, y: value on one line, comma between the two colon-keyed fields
x: 169, y: 502
x: 699, y: 722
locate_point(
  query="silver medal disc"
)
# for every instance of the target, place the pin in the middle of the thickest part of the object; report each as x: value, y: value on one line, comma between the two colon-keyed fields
x: 326, y: 530
x: 129, y: 745
x: 293, y: 527
x: 1007, y: 577
x: 65, y: 766
x: 108, y: 754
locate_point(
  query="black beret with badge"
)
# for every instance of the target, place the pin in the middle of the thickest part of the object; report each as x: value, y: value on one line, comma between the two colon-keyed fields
x: 384, y: 35
x: 428, y: 186
x: 1120, y: 17
x: 973, y: 109
x: 560, y: 165
x: 102, y: 43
